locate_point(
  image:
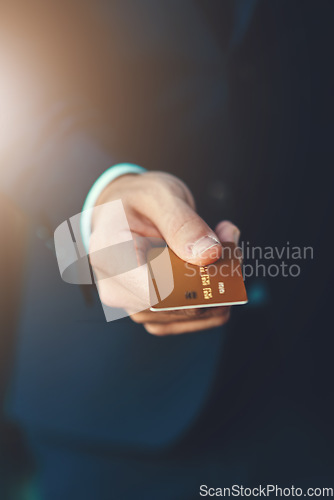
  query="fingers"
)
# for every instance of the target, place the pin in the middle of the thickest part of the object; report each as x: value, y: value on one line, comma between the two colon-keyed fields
x: 182, y: 315
x: 178, y: 327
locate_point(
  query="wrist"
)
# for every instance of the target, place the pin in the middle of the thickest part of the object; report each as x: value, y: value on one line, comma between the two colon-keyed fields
x: 94, y: 195
x: 114, y: 189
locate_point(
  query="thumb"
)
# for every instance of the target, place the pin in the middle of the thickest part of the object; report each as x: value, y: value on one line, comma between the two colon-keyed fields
x: 184, y: 230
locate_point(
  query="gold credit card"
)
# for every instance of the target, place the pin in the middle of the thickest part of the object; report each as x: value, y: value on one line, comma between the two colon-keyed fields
x: 218, y: 284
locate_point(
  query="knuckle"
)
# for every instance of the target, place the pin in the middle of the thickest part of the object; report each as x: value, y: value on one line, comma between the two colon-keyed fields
x: 156, y: 180
x: 108, y: 297
x: 105, y: 297
x: 155, y: 329
x: 167, y: 184
x: 139, y: 317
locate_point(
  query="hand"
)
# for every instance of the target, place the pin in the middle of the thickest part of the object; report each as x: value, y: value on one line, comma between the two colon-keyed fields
x: 159, y: 205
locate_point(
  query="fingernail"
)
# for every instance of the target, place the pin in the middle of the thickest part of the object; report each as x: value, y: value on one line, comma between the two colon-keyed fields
x: 203, y: 244
x: 236, y: 236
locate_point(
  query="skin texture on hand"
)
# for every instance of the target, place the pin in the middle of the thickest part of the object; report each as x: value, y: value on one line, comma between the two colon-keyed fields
x: 160, y: 205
